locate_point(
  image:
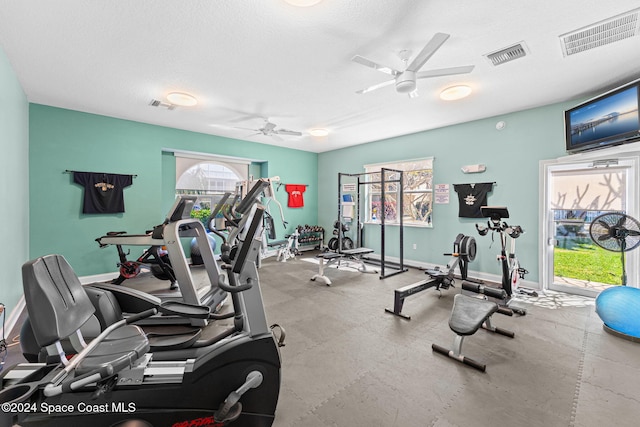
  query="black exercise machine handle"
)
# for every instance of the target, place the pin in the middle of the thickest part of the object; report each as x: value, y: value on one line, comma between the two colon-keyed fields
x: 485, y: 290
x: 482, y: 230
x: 456, y: 254
x: 466, y: 360
x: 141, y: 315
x: 505, y: 311
x: 232, y: 287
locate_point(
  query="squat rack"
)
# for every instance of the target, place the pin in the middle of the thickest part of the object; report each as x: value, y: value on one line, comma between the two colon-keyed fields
x: 361, y: 180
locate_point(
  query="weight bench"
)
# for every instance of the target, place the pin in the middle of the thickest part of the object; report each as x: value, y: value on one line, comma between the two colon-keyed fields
x: 355, y: 255
x: 333, y: 257
x: 467, y: 316
x: 283, y: 253
x: 283, y: 249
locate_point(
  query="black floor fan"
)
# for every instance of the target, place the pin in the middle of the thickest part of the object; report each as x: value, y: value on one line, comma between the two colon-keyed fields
x: 616, y: 232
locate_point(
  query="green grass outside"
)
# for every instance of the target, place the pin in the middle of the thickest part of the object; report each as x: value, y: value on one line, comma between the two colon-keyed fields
x: 588, y: 262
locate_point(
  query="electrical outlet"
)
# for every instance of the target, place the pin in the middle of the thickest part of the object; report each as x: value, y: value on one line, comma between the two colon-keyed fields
x: 415, y: 246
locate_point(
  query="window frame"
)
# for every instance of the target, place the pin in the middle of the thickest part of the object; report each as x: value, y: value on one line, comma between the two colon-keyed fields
x: 207, y: 197
x: 410, y: 190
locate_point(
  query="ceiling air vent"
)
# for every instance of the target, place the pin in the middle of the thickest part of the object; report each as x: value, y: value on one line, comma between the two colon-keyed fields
x: 507, y: 54
x: 601, y: 33
x: 156, y: 103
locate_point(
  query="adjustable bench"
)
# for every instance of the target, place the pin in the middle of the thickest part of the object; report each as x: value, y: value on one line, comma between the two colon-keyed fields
x: 354, y: 255
x: 467, y: 316
x: 280, y: 248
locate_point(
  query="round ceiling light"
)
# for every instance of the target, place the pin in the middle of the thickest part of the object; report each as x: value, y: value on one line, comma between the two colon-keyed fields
x: 454, y: 93
x: 303, y: 3
x: 182, y: 99
x: 319, y: 132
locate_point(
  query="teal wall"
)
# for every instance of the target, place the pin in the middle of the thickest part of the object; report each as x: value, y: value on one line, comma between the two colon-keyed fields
x: 64, y: 139
x: 511, y: 156
x: 14, y: 183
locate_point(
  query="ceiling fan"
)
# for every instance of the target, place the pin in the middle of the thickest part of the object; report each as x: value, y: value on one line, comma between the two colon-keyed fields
x: 405, y: 81
x: 269, y: 129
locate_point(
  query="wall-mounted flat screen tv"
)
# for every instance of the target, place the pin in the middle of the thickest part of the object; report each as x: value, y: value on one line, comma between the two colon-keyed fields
x: 609, y: 119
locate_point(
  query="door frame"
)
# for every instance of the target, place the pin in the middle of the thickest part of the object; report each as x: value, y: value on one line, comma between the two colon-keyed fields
x: 576, y: 162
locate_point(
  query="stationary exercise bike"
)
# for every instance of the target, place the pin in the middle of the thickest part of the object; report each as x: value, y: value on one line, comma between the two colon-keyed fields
x: 155, y: 258
x: 512, y: 272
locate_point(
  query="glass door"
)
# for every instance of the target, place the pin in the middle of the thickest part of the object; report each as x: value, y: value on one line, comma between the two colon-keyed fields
x: 576, y: 194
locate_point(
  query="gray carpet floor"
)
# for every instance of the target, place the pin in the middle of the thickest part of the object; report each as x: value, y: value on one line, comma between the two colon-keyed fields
x: 348, y: 363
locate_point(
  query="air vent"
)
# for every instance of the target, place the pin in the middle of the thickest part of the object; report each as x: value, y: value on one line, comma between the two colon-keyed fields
x: 156, y: 103
x: 507, y: 54
x: 601, y: 33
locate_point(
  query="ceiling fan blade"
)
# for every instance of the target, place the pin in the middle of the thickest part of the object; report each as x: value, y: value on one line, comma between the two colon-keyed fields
x: 445, y: 71
x: 287, y: 132
x: 253, y: 130
x: 369, y: 63
x: 378, y: 86
x: 268, y: 127
x: 245, y: 117
x: 427, y: 51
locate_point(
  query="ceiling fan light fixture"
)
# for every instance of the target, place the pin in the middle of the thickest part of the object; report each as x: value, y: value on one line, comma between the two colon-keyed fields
x: 406, y: 82
x: 303, y: 3
x: 182, y: 99
x: 319, y: 132
x: 453, y: 93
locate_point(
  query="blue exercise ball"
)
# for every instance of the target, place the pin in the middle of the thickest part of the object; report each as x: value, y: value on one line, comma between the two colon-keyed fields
x: 619, y: 309
x: 196, y: 256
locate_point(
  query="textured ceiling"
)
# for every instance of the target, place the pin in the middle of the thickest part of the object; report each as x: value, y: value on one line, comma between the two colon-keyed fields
x: 251, y: 60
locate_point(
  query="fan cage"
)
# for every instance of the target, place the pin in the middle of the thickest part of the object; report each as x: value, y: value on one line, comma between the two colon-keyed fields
x: 615, y: 231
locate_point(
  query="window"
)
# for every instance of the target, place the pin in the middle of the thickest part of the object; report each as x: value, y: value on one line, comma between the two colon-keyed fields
x: 417, y: 192
x: 209, y: 181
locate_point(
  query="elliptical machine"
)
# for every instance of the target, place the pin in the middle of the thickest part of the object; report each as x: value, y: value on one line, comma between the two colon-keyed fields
x: 115, y: 382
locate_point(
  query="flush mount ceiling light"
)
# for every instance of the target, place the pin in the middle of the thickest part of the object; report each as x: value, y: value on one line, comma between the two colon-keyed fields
x: 454, y: 93
x: 182, y: 99
x: 303, y: 3
x: 319, y: 132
